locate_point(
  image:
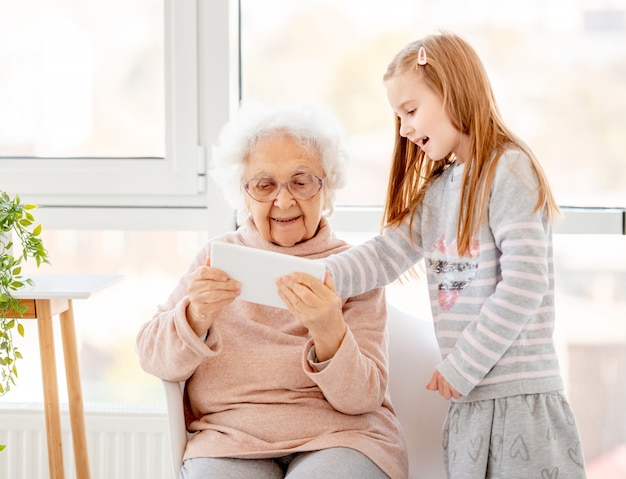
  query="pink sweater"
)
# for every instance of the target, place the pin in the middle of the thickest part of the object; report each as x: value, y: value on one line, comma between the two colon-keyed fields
x: 251, y: 390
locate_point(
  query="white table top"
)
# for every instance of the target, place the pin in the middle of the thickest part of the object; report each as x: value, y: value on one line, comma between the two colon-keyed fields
x: 65, y: 286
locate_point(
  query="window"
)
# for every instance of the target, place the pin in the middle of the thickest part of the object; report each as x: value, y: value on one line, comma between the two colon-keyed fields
x: 556, y: 68
x: 86, y: 93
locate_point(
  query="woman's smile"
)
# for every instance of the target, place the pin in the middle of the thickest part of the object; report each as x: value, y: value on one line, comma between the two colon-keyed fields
x: 286, y: 221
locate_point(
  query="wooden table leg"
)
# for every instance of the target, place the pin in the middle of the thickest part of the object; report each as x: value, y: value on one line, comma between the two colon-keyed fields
x: 74, y: 392
x: 50, y: 389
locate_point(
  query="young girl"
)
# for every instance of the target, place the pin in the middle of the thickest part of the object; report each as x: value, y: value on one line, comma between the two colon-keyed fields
x: 469, y: 197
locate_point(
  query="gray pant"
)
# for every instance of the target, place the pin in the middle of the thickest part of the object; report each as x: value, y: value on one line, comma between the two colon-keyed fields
x: 517, y: 437
x: 336, y: 462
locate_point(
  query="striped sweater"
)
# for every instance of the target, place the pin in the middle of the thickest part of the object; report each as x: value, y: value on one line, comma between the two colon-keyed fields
x: 493, y: 311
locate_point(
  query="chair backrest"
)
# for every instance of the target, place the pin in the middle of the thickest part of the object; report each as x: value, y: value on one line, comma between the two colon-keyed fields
x: 413, y: 355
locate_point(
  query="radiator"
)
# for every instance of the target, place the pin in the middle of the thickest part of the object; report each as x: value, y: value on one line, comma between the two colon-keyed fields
x: 122, y: 444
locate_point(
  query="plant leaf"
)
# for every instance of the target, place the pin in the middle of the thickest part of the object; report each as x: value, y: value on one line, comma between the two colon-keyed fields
x: 15, y: 222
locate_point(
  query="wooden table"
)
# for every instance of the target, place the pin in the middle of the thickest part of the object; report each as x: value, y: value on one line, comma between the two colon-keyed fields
x: 52, y: 294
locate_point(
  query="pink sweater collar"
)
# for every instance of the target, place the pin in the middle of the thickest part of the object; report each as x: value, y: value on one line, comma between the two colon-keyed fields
x: 324, y: 242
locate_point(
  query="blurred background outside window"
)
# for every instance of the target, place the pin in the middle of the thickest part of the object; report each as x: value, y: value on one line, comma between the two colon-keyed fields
x: 78, y: 79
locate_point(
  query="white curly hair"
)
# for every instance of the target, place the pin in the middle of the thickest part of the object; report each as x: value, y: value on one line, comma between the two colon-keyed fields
x: 312, y: 125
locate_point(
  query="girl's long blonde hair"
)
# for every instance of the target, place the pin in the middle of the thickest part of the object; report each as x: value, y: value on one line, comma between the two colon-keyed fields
x: 455, y: 72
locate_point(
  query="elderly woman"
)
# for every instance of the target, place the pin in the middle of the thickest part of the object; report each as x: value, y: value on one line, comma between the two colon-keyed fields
x: 279, y: 393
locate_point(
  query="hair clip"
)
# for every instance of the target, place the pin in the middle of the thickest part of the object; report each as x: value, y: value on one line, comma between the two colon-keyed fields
x: 421, y: 56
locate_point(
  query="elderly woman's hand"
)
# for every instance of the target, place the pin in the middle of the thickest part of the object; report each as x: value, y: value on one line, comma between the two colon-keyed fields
x: 318, y: 307
x: 209, y: 291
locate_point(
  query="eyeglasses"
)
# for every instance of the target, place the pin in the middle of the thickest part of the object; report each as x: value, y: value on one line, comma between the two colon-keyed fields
x: 301, y: 187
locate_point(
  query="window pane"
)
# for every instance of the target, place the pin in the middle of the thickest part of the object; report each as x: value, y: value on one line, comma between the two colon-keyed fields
x: 107, y: 322
x: 591, y: 335
x: 557, y: 69
x: 80, y: 79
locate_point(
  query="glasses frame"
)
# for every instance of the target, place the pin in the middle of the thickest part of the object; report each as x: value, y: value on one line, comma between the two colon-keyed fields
x: 320, y: 182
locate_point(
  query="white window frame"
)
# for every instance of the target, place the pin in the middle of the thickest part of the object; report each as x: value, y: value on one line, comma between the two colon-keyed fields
x: 173, y: 191
x: 574, y: 220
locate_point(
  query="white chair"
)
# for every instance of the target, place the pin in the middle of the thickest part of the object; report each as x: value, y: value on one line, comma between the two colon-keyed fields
x: 176, y: 423
x: 413, y: 354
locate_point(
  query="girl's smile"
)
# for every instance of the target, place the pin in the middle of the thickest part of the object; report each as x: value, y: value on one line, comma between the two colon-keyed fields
x: 423, y: 117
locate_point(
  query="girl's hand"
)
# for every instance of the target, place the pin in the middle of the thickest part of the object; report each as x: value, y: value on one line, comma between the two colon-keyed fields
x: 439, y: 383
x: 209, y: 291
x: 318, y: 308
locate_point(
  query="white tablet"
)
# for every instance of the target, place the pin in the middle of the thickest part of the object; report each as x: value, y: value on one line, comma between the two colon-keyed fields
x: 257, y: 270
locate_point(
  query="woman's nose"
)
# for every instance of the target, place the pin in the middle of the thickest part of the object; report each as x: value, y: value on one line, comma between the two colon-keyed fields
x: 284, y: 199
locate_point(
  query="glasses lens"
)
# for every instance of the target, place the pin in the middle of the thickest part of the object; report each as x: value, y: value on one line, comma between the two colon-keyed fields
x: 304, y: 186
x: 262, y: 189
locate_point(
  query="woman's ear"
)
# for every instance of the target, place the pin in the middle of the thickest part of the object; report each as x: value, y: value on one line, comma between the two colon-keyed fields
x: 326, y: 201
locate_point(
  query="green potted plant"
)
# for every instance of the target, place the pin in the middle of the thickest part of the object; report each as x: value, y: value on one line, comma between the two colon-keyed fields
x: 19, y: 240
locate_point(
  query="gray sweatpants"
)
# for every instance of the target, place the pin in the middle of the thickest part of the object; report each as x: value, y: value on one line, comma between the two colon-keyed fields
x: 518, y: 437
x: 337, y: 462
